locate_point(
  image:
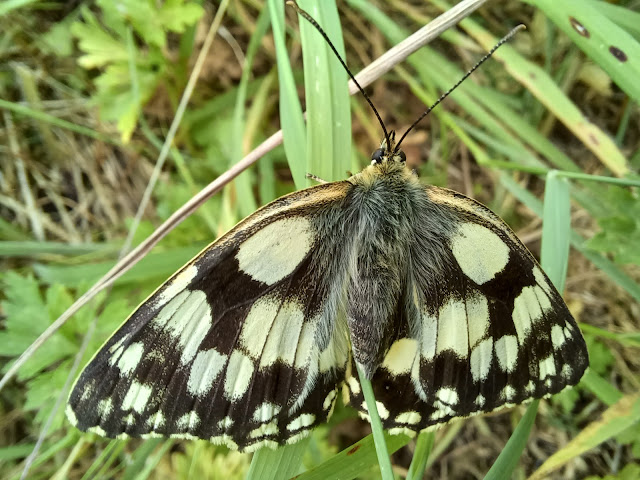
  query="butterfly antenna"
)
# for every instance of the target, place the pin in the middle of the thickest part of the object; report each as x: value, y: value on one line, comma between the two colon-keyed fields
x: 312, y: 21
x: 504, y: 39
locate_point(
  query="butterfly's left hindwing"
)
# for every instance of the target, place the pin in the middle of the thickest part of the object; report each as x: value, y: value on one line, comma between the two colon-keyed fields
x: 241, y: 347
x: 483, y: 329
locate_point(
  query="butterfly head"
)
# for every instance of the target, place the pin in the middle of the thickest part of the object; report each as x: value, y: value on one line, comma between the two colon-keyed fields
x: 387, y: 152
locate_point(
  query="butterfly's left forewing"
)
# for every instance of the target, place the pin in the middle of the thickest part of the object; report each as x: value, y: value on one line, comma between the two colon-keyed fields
x: 243, y: 346
x: 482, y: 329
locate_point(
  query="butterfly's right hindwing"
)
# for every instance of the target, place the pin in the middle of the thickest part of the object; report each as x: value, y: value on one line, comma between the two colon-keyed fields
x: 243, y: 346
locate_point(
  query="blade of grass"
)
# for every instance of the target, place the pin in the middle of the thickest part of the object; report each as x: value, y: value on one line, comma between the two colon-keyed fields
x: 616, y: 419
x: 386, y: 472
x: 508, y: 459
x: 294, y: 132
x: 556, y: 229
x: 424, y: 444
x: 245, y: 198
x: 353, y: 461
x: 280, y: 464
x: 327, y: 94
x: 611, y: 47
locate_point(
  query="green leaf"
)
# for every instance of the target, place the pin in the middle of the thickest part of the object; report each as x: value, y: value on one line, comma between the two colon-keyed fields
x: 100, y: 48
x: 176, y: 15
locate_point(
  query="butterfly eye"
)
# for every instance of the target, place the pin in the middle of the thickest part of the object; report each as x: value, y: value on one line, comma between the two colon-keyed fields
x: 377, y: 156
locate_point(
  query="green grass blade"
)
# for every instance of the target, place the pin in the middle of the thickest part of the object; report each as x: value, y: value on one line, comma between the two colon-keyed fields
x: 508, y: 459
x: 242, y: 183
x: 424, y: 444
x: 292, y: 122
x: 280, y: 464
x: 556, y: 229
x: 353, y: 461
x: 615, y: 420
x: 376, y: 427
x: 327, y: 95
x: 601, y: 388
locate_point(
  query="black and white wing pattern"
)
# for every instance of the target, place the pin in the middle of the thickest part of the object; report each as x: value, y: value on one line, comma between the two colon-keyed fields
x: 491, y: 331
x: 241, y: 347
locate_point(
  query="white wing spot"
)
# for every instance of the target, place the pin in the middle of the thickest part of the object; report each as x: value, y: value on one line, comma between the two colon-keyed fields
x: 567, y: 371
x: 283, y: 336
x: 442, y: 411
x: 429, y: 336
x: 480, y: 253
x: 410, y: 418
x: 541, y: 280
x: 480, y: 401
x: 257, y: 324
x: 131, y: 358
x: 276, y: 250
x: 528, y: 308
x: 264, y: 430
x: 401, y: 355
x: 448, y: 396
x: 98, y: 431
x: 71, y: 415
x: 506, y: 349
x: 87, y: 391
x: 129, y: 420
x: 204, y: 371
x: 178, y: 284
x: 226, y: 423
x: 382, y: 410
x: 156, y: 421
x: 187, y: 317
x: 452, y: 328
x: 328, y: 401
x: 530, y: 388
x: 481, y: 360
x: 305, y: 343
x: 304, y: 420
x: 354, y: 386
x: 477, y: 317
x: 295, y: 438
x: 137, y: 397
x: 238, y: 376
x: 105, y: 407
x: 508, y: 393
x: 547, y: 367
x: 557, y: 336
x: 188, y: 421
x: 265, y: 412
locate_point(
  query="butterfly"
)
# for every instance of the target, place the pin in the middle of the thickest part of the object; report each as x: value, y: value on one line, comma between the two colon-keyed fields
x: 426, y: 291
x: 429, y: 292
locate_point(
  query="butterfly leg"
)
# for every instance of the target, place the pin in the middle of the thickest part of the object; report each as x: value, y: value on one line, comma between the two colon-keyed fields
x: 316, y: 178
